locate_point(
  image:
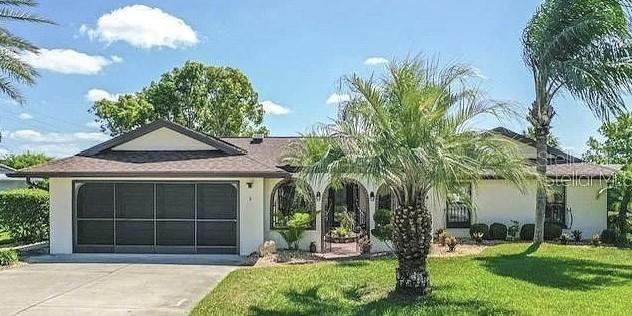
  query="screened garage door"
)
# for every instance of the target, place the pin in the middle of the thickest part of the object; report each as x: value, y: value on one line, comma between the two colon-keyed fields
x: 160, y: 217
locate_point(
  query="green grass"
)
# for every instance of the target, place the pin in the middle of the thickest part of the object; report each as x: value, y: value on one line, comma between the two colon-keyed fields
x: 505, y: 279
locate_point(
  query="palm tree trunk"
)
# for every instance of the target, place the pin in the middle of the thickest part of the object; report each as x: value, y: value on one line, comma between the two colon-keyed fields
x: 541, y: 161
x: 412, y: 234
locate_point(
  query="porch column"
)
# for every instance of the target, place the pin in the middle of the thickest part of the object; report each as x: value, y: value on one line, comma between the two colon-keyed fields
x: 319, y: 187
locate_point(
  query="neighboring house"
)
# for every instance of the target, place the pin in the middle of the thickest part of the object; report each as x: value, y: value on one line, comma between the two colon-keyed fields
x: 167, y: 189
x: 7, y: 183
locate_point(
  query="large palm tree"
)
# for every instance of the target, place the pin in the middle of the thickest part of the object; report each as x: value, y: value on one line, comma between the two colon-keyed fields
x: 411, y: 130
x: 12, y: 68
x: 582, y: 47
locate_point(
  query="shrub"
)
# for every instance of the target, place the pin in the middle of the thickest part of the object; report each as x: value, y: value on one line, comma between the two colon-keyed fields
x: 552, y: 231
x: 527, y: 231
x: 596, y: 241
x: 24, y: 214
x: 498, y: 231
x: 479, y: 228
x: 298, y: 223
x: 443, y: 238
x: 564, y: 239
x: 608, y: 236
x: 513, y: 229
x: 9, y: 257
x: 438, y: 233
x: 577, y: 235
x: 478, y: 237
x: 451, y: 242
x: 383, y: 230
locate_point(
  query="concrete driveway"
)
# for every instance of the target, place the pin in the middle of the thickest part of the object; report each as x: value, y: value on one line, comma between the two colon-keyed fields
x: 86, y: 288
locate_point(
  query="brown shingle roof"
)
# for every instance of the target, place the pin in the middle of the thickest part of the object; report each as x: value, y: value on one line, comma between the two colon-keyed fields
x: 583, y: 169
x: 237, y: 156
x: 153, y: 163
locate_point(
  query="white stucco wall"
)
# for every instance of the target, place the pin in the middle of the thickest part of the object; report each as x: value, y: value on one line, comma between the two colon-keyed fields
x: 163, y: 139
x: 588, y: 207
x: 251, y: 232
x: 60, y: 215
x: 498, y: 201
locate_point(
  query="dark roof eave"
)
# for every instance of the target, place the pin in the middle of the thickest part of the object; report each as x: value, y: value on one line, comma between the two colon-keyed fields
x: 559, y: 177
x: 205, y: 174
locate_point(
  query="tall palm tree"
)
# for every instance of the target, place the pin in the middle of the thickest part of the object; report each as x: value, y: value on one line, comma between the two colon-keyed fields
x: 583, y: 47
x: 12, y: 68
x: 411, y: 130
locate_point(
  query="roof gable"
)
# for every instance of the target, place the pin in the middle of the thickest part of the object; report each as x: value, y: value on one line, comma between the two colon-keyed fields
x: 163, y: 135
x: 554, y: 153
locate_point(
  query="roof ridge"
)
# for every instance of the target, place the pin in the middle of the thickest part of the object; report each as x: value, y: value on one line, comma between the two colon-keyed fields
x: 221, y: 144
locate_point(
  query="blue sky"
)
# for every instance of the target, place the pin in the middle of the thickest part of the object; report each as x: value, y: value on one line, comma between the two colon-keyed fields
x: 294, y: 52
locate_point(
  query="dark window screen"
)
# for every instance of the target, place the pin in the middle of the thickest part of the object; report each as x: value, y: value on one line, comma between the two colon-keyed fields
x: 134, y: 233
x: 135, y: 200
x: 175, y: 201
x: 95, y: 200
x: 175, y: 233
x: 217, y: 201
x: 90, y: 232
x: 217, y: 234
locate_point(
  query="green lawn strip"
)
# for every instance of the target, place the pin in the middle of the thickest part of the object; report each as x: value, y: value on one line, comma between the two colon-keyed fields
x: 505, y: 279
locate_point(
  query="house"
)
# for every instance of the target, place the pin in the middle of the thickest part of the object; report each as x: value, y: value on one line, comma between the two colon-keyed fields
x: 167, y: 189
x: 7, y: 183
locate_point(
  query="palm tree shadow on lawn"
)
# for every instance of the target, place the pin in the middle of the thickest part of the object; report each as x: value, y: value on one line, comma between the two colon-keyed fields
x: 557, y: 272
x: 310, y: 302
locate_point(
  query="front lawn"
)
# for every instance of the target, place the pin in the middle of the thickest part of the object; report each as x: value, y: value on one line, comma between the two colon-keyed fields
x: 505, y: 279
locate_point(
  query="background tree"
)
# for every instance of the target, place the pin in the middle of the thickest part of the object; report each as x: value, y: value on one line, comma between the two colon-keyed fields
x: 24, y: 160
x: 219, y: 101
x: 13, y: 68
x: 412, y: 130
x: 551, y: 140
x: 582, y: 47
x: 616, y: 148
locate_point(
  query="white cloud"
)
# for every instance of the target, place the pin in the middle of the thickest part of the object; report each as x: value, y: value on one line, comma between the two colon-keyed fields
x: 338, y: 98
x: 273, y: 108
x: 116, y: 59
x: 66, y: 61
x: 25, y: 116
x: 478, y: 73
x: 375, y: 61
x: 54, y: 150
x: 39, y: 137
x: 93, y: 124
x: 95, y: 95
x: 142, y: 26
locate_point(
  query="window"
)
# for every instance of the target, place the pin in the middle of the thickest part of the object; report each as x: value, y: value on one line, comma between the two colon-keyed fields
x: 458, y: 213
x: 556, y: 204
x: 285, y: 201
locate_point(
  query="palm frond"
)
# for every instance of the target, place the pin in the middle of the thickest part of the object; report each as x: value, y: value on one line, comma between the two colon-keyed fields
x: 17, y: 15
x: 411, y: 130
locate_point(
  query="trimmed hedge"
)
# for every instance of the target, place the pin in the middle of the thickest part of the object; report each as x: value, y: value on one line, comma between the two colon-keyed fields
x: 527, y: 231
x: 479, y: 228
x: 498, y: 231
x: 608, y: 236
x: 24, y: 213
x: 552, y: 231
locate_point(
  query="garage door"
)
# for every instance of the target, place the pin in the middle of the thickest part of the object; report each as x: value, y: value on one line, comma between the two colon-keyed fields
x: 156, y: 217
